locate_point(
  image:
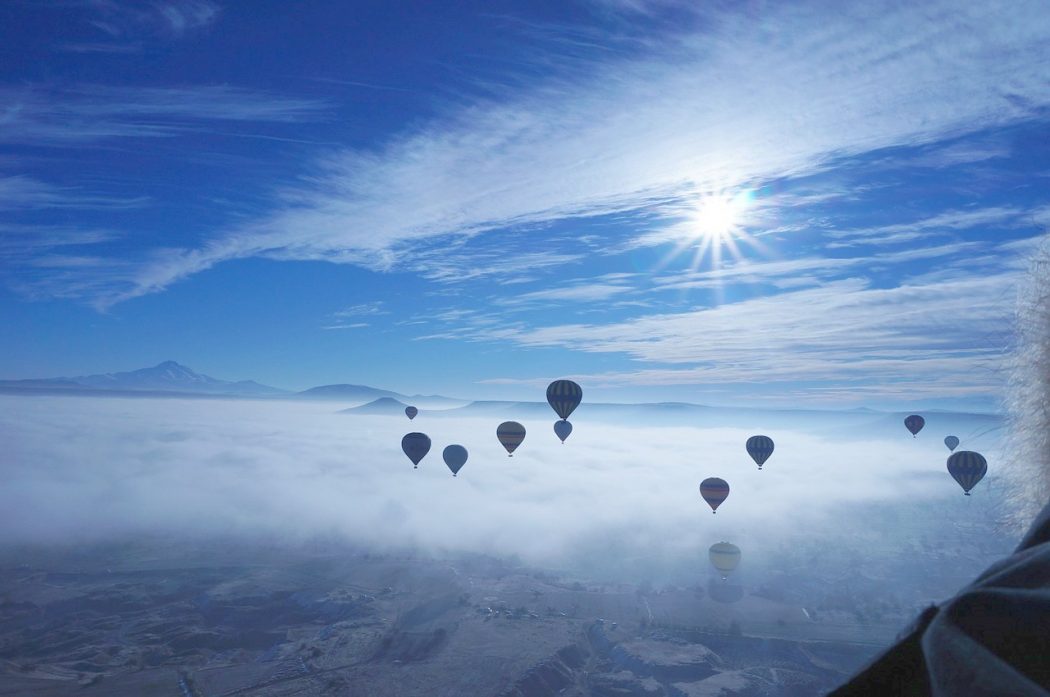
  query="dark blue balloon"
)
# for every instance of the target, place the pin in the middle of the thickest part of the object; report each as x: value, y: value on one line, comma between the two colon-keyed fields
x: 759, y: 448
x: 564, y: 396
x: 562, y: 429
x: 416, y: 446
x: 411, y: 412
x: 455, y: 457
x: 967, y: 468
x: 914, y: 423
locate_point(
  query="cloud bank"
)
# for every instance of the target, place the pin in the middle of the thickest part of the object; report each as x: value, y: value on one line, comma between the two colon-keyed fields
x: 613, y: 498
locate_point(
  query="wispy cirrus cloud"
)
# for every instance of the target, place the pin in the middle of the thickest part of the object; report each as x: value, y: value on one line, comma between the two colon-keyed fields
x: 947, y: 221
x: 942, y: 334
x: 23, y: 192
x: 345, y: 318
x: 725, y: 106
x: 66, y: 116
x: 122, y: 25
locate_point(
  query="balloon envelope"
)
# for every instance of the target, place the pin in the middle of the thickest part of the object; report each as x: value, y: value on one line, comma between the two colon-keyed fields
x: 724, y: 557
x: 967, y: 468
x: 952, y: 442
x: 914, y: 423
x: 411, y: 412
x: 714, y: 491
x: 455, y: 457
x: 564, y: 396
x: 759, y: 448
x: 510, y: 434
x: 562, y: 429
x: 416, y: 446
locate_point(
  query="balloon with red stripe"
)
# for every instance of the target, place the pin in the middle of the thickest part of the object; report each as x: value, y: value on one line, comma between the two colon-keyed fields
x: 714, y: 490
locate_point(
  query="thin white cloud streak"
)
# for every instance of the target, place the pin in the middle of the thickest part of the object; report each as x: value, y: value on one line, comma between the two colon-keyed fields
x: 169, y: 19
x: 995, y: 217
x: 741, y: 103
x: 812, y: 270
x: 954, y: 331
x: 23, y: 192
x: 32, y: 115
x: 82, y: 469
x: 582, y: 292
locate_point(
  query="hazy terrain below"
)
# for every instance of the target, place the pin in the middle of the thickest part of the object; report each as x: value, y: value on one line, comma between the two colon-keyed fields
x: 257, y: 547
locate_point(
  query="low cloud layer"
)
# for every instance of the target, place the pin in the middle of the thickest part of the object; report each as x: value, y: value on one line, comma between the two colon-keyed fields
x: 611, y: 498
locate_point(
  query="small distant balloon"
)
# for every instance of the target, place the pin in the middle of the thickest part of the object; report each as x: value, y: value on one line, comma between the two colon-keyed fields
x: 952, y: 442
x: 416, y: 446
x: 564, y: 396
x: 714, y: 491
x: 724, y: 557
x: 759, y: 448
x: 967, y: 468
x: 562, y: 429
x: 455, y: 457
x: 411, y: 412
x: 914, y: 423
x: 510, y: 435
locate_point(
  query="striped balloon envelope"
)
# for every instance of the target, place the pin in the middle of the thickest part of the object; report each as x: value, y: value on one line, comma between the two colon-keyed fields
x: 564, y: 396
x: 510, y: 435
x: 759, y: 448
x: 724, y: 556
x: 967, y: 468
x: 411, y: 412
x: 952, y: 442
x: 714, y: 491
x: 914, y: 423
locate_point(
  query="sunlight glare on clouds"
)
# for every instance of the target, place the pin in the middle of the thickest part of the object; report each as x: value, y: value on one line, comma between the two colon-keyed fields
x: 713, y: 222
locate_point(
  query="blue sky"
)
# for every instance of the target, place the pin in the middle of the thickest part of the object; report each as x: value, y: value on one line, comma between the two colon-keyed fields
x: 476, y: 200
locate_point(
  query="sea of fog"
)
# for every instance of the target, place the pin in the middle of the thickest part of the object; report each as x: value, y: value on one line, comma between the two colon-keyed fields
x: 619, y: 500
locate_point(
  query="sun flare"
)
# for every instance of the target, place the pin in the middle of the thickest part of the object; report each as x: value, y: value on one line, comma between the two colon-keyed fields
x: 714, y: 228
x: 716, y: 217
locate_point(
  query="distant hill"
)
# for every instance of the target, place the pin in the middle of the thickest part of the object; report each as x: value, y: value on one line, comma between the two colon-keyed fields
x: 168, y: 376
x: 383, y: 405
x: 357, y: 393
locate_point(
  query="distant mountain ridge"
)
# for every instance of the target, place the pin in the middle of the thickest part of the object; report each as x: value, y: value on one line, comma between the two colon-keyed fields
x: 167, y: 376
x: 172, y: 378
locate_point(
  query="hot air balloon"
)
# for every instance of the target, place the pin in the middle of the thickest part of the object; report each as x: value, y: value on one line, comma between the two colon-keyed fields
x: 416, y: 446
x: 759, y: 448
x: 952, y: 442
x: 725, y: 557
x: 411, y: 412
x: 914, y: 423
x: 455, y: 457
x: 510, y: 434
x: 967, y: 468
x: 562, y: 429
x: 564, y: 396
x: 714, y: 491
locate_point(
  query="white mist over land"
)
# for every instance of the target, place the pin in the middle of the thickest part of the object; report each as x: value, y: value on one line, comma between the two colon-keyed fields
x: 617, y: 500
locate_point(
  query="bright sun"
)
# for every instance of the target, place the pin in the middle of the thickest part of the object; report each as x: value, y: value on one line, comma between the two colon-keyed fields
x: 714, y: 225
x: 716, y: 217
